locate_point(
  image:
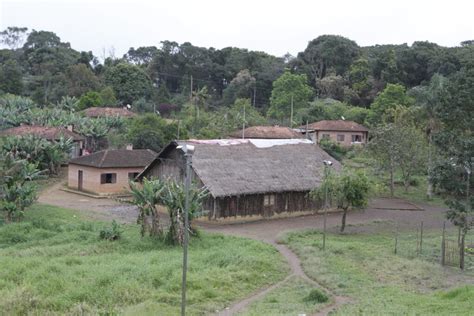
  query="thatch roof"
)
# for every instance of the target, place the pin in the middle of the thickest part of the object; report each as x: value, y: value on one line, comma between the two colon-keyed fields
x: 121, y: 158
x: 252, y: 166
x: 107, y: 111
x: 336, y: 125
x: 46, y: 132
x: 267, y: 132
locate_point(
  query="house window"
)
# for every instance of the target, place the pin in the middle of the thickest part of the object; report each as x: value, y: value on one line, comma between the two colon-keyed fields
x: 340, y: 137
x: 133, y: 175
x: 108, y: 178
x: 268, y: 200
x: 356, y: 138
x: 325, y: 136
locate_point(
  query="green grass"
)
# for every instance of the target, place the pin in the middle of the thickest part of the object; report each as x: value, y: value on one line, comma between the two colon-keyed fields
x: 55, y: 263
x: 291, y: 298
x: 364, y: 267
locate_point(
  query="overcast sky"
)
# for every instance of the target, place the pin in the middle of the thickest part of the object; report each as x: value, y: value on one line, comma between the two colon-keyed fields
x: 276, y: 27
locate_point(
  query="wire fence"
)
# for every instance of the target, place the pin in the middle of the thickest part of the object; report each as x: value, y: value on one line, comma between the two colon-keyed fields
x: 435, y: 245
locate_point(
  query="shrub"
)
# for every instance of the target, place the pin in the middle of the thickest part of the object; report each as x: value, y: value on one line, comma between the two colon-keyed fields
x: 111, y: 233
x: 334, y: 149
x: 316, y: 296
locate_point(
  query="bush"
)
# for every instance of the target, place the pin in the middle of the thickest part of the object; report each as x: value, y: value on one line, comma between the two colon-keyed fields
x: 334, y: 149
x: 111, y: 233
x: 316, y: 296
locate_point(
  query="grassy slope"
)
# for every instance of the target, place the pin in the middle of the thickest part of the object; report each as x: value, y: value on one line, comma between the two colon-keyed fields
x: 364, y: 267
x: 291, y: 298
x: 54, y: 263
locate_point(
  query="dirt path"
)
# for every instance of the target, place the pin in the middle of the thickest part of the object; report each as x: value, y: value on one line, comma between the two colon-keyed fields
x: 100, y: 209
x: 406, y: 214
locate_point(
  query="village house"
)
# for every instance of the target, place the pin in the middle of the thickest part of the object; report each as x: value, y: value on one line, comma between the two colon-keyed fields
x: 108, y: 172
x: 345, y: 133
x: 50, y: 134
x: 266, y: 132
x: 95, y: 112
x: 248, y: 177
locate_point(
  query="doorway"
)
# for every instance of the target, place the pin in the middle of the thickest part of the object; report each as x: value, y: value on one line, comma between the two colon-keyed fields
x: 79, y: 180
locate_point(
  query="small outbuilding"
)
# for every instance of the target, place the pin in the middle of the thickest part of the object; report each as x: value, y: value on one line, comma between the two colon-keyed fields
x: 247, y: 177
x: 345, y: 133
x: 108, y: 172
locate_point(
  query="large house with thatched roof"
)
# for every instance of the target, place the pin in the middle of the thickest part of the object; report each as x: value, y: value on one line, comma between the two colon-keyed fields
x: 266, y: 132
x: 345, y: 133
x: 248, y: 177
x: 108, y: 172
x: 51, y: 134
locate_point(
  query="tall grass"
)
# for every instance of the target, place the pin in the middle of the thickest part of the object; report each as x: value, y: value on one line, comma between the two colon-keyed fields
x: 364, y: 267
x: 55, y: 263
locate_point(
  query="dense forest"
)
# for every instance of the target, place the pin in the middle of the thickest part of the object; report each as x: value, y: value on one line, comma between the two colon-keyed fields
x: 39, y: 65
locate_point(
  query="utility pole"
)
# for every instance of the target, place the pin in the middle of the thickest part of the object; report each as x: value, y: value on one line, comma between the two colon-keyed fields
x: 291, y: 115
x: 191, y: 89
x: 243, y: 125
x: 254, y: 93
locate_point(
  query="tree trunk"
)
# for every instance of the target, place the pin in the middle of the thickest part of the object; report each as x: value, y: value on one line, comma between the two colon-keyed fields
x: 392, y: 183
x: 344, y: 215
x: 155, y: 224
x: 461, y: 251
x: 429, y: 189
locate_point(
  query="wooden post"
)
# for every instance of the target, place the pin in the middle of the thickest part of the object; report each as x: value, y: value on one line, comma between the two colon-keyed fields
x: 324, y: 227
x: 421, y: 237
x: 396, y: 239
x: 443, y: 245
x: 461, y: 253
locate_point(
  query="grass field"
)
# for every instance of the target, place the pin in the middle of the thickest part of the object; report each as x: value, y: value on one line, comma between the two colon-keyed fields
x: 291, y: 298
x: 55, y: 263
x: 363, y: 266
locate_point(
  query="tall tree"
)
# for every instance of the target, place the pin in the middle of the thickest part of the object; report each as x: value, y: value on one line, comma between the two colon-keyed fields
x: 129, y: 82
x: 289, y: 89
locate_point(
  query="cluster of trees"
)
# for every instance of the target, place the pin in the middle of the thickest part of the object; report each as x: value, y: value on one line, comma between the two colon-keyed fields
x: 151, y: 193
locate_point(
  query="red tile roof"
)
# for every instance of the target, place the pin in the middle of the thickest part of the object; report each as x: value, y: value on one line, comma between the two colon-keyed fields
x: 46, y: 132
x: 336, y: 125
x: 120, y: 158
x: 107, y: 111
x: 267, y: 132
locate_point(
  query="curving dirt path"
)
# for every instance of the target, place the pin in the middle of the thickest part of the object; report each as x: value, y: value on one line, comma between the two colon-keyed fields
x: 406, y: 214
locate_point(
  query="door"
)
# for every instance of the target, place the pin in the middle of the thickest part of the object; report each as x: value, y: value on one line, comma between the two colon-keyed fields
x: 79, y: 180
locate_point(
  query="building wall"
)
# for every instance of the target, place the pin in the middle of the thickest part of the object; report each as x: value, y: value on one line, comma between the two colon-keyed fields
x: 347, y: 142
x: 254, y: 205
x: 92, y: 178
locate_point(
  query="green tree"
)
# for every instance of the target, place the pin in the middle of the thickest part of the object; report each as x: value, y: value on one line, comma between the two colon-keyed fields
x: 11, y: 78
x: 242, y: 86
x: 150, y: 131
x: 287, y: 88
x: 146, y: 196
x: 13, y: 36
x: 80, y: 79
x: 107, y: 95
x: 129, y: 82
x: 392, y: 96
x: 90, y: 99
x: 328, y: 53
x: 456, y: 141
x: 16, y: 189
x: 348, y: 190
x: 175, y: 201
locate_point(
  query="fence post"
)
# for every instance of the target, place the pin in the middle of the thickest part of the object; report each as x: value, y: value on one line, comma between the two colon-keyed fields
x: 421, y: 238
x: 396, y: 238
x: 443, y: 245
x: 461, y: 253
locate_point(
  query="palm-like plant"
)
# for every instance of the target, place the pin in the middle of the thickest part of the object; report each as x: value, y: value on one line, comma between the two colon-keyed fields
x: 146, y: 196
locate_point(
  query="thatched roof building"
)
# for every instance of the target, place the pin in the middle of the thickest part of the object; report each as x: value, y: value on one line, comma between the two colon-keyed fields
x: 249, y: 176
x: 266, y: 132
